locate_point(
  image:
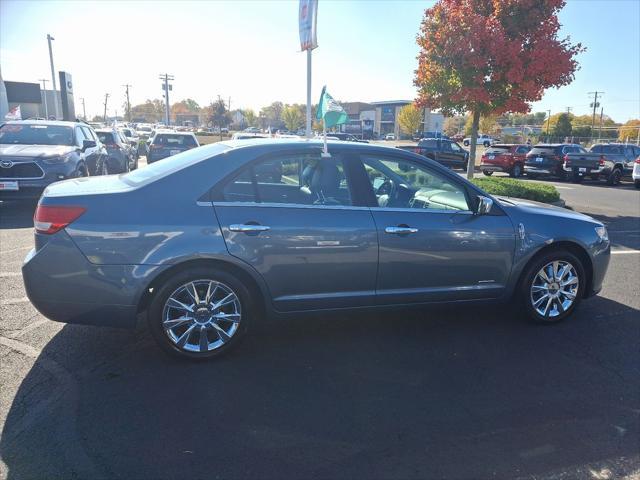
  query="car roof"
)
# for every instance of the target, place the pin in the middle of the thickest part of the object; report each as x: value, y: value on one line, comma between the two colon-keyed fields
x: 509, y: 145
x: 59, y: 123
x: 269, y: 144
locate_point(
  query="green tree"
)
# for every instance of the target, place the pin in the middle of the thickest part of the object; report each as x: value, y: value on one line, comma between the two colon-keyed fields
x: 629, y: 131
x: 273, y: 114
x: 292, y: 117
x: 453, y: 125
x: 249, y: 117
x: 563, y: 127
x: 150, y: 111
x: 410, y: 118
x: 219, y: 114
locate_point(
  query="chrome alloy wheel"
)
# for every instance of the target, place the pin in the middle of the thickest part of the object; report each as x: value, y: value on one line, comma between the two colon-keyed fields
x: 554, y: 288
x: 201, y: 315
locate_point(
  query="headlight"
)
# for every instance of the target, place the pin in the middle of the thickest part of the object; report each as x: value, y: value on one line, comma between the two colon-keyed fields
x: 602, y: 233
x: 58, y: 159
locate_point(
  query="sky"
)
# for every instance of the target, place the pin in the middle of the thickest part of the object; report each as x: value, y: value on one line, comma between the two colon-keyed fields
x: 250, y: 51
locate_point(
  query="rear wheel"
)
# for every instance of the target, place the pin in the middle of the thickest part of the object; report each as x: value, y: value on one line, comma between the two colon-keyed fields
x: 200, y: 313
x: 552, y: 286
x: 487, y: 173
x: 614, y: 177
x: 576, y: 177
x: 516, y: 171
x: 81, y: 171
x: 637, y: 183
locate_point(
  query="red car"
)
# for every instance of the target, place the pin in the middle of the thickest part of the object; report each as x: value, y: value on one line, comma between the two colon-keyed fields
x: 503, y: 157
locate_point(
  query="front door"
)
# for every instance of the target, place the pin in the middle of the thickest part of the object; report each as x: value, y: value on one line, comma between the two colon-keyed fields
x: 294, y: 218
x: 432, y: 247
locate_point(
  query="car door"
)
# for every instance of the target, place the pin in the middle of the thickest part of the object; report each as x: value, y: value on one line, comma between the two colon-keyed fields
x: 459, y: 155
x: 432, y: 247
x: 295, y: 219
x: 91, y: 154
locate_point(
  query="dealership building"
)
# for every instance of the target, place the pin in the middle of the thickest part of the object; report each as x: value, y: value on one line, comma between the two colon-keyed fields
x: 380, y: 118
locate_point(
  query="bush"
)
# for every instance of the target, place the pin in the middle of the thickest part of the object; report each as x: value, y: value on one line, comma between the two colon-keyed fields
x: 508, y: 187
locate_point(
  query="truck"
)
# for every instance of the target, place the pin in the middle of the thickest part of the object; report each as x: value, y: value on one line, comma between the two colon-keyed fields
x: 483, y: 139
x: 604, y: 161
x: 446, y: 152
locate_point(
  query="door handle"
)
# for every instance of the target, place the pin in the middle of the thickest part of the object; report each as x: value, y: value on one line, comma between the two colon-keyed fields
x: 248, y: 228
x: 401, y: 230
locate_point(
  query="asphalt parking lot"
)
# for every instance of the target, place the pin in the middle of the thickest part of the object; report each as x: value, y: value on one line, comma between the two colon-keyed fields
x: 438, y: 393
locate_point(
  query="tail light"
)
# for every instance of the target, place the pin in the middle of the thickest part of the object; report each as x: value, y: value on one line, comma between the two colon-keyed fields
x: 567, y: 161
x: 53, y: 218
x: 416, y: 150
x: 601, y: 161
x: 155, y: 146
x: 638, y: 160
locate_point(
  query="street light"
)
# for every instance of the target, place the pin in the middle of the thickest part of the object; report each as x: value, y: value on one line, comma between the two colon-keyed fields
x: 53, y: 75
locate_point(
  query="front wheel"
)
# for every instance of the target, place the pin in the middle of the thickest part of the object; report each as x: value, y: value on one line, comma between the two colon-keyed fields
x: 200, y: 313
x: 552, y: 287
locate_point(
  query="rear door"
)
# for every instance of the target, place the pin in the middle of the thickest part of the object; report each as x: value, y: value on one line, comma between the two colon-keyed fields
x: 432, y: 247
x: 295, y: 218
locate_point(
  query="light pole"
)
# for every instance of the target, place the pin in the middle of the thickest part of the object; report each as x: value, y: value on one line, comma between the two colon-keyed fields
x: 44, y: 95
x: 84, y: 112
x: 166, y: 87
x: 106, y: 99
x: 53, y: 76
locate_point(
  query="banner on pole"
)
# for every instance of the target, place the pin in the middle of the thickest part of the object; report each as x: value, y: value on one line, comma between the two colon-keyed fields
x: 307, y: 15
x: 14, y: 114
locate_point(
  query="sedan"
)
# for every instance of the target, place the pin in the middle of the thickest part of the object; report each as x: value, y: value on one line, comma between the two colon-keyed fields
x: 233, y: 233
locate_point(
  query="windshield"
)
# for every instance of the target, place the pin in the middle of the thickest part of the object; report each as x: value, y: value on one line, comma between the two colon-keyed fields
x: 172, y: 164
x: 543, y: 150
x: 16, y: 134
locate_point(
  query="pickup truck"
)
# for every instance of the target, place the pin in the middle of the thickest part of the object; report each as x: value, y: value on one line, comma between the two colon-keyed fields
x: 608, y: 161
x: 483, y: 139
x: 443, y: 151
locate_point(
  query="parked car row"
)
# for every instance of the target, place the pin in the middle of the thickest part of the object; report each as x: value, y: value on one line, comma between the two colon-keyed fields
x: 36, y: 153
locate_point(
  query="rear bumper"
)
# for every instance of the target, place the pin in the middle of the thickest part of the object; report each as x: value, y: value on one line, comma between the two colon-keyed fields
x: 494, y: 168
x: 65, y: 287
x: 538, y: 171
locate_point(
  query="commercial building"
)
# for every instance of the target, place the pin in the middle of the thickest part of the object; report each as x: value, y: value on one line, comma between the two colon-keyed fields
x: 370, y: 120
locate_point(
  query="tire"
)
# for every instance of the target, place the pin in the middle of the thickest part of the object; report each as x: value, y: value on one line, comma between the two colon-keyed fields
x: 576, y: 177
x: 637, y: 183
x: 465, y: 143
x: 516, y: 171
x: 240, y: 312
x: 614, y: 177
x: 532, y: 287
x: 487, y: 173
x: 486, y: 144
x: 81, y: 172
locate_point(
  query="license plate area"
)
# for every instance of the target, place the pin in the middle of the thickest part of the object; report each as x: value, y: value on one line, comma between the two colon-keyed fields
x: 539, y: 159
x: 582, y: 169
x: 9, y: 186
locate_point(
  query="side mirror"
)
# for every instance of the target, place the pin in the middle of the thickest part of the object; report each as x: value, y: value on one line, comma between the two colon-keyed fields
x: 484, y: 205
x: 88, y: 144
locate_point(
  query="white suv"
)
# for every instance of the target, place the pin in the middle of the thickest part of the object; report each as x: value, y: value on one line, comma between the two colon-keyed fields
x: 483, y: 139
x: 635, y: 174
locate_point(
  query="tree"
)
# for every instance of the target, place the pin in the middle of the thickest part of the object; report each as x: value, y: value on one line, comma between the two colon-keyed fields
x: 293, y: 117
x: 488, y: 124
x: 483, y: 57
x: 273, y: 114
x: 563, y: 127
x: 453, y: 125
x: 219, y: 114
x: 410, y: 118
x: 629, y: 131
x: 250, y: 117
x: 150, y: 111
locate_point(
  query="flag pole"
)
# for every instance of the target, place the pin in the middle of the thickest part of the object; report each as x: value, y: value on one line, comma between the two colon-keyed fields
x: 308, y: 129
x: 325, y: 151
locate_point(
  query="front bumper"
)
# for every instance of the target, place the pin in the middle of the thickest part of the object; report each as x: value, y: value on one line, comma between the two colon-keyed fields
x: 65, y: 287
x: 32, y: 188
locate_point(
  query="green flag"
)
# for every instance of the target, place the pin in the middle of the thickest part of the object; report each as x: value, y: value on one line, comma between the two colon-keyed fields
x: 330, y: 111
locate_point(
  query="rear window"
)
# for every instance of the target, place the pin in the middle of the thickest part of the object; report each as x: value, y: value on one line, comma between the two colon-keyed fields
x: 545, y: 150
x: 498, y: 149
x: 430, y: 143
x: 172, y: 164
x: 174, y: 140
x: 106, y: 137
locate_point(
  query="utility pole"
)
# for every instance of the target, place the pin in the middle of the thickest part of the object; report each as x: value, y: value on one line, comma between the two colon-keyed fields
x: 229, y: 104
x: 44, y: 91
x: 53, y: 76
x: 106, y: 99
x: 548, y: 119
x: 569, y: 110
x: 594, y: 105
x: 166, y: 87
x: 84, y: 112
x: 600, y: 131
x: 126, y: 86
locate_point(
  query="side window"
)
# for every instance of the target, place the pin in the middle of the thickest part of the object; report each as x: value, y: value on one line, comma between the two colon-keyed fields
x: 446, y: 146
x: 402, y: 184
x: 305, y: 179
x: 522, y: 150
x: 79, y: 136
x: 596, y: 149
x: 628, y: 152
x: 455, y: 147
x: 88, y: 134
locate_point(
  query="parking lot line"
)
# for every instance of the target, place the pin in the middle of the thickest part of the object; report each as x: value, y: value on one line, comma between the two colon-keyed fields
x: 622, y: 252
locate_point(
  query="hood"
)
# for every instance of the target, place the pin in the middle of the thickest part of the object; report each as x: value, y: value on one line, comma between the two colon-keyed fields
x: 538, y: 208
x: 87, y: 186
x: 35, y: 151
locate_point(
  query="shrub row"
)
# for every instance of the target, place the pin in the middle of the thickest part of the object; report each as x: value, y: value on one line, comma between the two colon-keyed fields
x: 508, y: 187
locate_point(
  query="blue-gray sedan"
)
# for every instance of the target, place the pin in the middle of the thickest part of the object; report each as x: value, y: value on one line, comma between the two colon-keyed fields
x: 209, y: 241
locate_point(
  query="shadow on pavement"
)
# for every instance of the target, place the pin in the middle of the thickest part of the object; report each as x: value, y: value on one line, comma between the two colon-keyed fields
x: 15, y: 214
x: 468, y: 393
x: 624, y: 230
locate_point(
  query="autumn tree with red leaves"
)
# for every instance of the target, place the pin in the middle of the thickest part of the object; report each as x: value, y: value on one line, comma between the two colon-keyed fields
x: 491, y: 57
